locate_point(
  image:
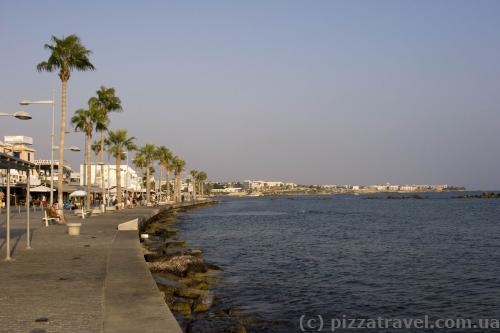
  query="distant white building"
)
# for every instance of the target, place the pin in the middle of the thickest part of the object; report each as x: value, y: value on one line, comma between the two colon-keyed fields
x: 408, y: 188
x: 227, y: 190
x: 257, y: 185
x: 130, y: 180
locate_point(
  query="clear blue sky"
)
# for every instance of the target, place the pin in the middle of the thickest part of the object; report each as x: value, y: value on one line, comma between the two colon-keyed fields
x: 306, y: 91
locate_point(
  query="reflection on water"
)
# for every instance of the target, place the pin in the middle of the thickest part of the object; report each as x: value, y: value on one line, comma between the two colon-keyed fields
x: 288, y: 256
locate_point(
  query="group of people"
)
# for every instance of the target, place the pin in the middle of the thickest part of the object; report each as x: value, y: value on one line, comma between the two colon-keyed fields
x: 56, y: 212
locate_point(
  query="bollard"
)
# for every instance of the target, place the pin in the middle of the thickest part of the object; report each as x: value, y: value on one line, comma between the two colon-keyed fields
x: 73, y: 228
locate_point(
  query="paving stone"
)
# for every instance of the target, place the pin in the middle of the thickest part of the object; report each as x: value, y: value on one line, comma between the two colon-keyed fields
x: 60, y: 285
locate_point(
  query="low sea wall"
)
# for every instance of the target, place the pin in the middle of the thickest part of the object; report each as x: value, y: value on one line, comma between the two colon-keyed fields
x: 133, y: 302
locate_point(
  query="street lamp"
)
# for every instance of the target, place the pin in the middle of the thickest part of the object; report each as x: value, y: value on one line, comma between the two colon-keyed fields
x: 53, y: 102
x: 18, y: 114
x: 60, y: 172
x: 72, y: 148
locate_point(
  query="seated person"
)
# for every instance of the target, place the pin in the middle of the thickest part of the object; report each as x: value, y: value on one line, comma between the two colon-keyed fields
x: 52, y: 214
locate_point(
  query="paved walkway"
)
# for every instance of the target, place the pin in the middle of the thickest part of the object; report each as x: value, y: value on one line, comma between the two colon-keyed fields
x: 79, y: 283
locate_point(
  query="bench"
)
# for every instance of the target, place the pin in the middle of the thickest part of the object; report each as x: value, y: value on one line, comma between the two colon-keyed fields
x: 47, y: 219
x: 82, y: 213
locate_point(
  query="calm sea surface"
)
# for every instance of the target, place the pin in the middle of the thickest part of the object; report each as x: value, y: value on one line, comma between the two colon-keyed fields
x: 285, y: 257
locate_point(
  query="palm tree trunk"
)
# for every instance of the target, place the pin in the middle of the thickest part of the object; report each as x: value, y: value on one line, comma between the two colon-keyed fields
x: 179, y: 188
x: 87, y: 161
x: 148, y: 183
x: 167, y: 170
x: 161, y: 176
x: 108, y: 177
x: 119, y: 180
x: 194, y: 188
x: 102, y: 171
x: 61, y: 145
x: 176, y: 187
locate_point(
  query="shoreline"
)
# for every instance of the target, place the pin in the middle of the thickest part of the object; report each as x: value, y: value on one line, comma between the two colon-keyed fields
x: 183, y: 276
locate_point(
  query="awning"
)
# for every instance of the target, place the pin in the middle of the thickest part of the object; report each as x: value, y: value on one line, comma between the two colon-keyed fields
x: 68, y: 188
x: 8, y: 162
x: 78, y: 193
x: 41, y: 188
x: 11, y: 162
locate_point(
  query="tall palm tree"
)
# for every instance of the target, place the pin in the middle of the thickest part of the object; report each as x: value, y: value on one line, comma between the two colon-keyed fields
x: 202, y: 176
x: 179, y: 166
x: 67, y: 54
x: 171, y: 170
x: 107, y: 102
x: 96, y: 149
x: 107, y: 144
x: 194, y: 174
x: 140, y: 163
x: 164, y: 156
x: 148, y: 151
x: 85, y: 120
x: 119, y: 142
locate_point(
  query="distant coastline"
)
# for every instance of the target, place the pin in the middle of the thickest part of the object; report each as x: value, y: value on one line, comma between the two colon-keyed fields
x: 326, y: 192
x: 256, y: 188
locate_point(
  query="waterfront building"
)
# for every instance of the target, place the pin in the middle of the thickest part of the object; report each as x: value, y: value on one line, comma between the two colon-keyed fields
x: 227, y: 190
x: 130, y: 180
x: 43, y: 171
x: 258, y: 185
x: 19, y: 146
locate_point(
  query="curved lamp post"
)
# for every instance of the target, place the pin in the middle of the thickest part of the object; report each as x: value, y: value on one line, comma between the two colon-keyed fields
x: 53, y: 102
x: 18, y: 114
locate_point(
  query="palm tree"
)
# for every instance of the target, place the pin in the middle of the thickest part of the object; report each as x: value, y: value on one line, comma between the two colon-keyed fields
x: 140, y: 163
x: 164, y: 156
x: 202, y: 176
x: 171, y: 170
x: 148, y: 152
x: 67, y: 54
x: 118, y: 144
x: 96, y: 149
x: 85, y: 120
x: 106, y: 101
x: 194, y: 174
x: 107, y: 144
x: 178, y: 165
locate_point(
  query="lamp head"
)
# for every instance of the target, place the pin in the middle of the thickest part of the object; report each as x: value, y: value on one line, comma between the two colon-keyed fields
x: 22, y: 115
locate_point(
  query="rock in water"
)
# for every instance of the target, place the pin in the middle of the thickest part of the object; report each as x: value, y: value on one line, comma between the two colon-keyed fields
x: 181, y: 305
x: 204, y: 302
x: 190, y: 293
x: 155, y: 247
x: 175, y: 243
x: 168, y: 284
x: 180, y: 265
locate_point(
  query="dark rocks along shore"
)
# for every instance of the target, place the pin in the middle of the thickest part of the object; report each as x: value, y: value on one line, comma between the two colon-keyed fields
x: 184, y: 278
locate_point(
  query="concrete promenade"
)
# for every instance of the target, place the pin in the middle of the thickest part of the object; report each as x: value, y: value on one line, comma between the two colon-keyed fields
x: 95, y: 282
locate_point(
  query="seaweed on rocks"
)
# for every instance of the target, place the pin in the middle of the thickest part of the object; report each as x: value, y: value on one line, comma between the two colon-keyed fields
x: 184, y: 278
x: 179, y: 265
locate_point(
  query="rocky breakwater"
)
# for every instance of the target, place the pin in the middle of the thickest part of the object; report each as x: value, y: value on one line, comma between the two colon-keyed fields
x: 184, y: 278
